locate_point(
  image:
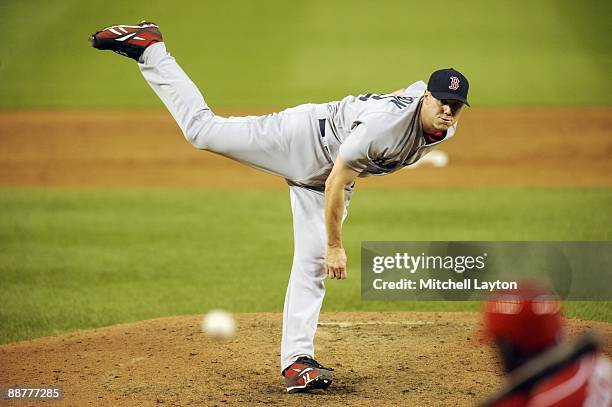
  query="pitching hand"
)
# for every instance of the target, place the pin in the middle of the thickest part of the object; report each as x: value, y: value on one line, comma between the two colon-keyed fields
x: 335, y: 262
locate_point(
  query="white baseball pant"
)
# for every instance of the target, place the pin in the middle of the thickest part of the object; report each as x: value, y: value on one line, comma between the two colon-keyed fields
x: 283, y: 144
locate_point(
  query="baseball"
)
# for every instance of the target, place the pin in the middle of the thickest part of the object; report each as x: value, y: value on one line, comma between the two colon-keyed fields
x: 219, y: 324
x: 437, y: 158
x: 434, y: 158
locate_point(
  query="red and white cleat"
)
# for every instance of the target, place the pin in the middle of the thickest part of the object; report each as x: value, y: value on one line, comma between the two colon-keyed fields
x: 307, y: 374
x: 127, y: 40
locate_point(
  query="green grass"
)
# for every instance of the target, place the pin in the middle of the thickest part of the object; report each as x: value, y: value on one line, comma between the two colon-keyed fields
x: 72, y: 259
x: 275, y: 53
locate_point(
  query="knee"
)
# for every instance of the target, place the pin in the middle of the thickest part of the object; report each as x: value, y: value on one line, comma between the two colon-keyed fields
x: 196, y: 128
x: 310, y: 264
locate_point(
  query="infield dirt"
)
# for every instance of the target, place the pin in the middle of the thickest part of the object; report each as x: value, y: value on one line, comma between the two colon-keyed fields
x: 493, y: 147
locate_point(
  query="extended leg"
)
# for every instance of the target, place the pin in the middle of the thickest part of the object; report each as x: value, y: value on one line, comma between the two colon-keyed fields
x: 287, y: 144
x: 272, y: 143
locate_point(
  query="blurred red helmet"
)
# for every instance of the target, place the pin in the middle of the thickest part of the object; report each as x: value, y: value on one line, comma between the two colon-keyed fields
x: 528, y: 318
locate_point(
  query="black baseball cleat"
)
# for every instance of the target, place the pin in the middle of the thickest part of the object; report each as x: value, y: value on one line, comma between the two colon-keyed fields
x: 127, y: 40
x: 307, y: 374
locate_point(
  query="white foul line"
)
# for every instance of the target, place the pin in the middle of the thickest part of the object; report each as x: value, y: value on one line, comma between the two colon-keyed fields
x: 360, y: 323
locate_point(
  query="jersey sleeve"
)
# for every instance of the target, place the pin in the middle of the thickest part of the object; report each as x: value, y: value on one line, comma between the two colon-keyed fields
x: 356, y: 150
x: 365, y: 144
x: 415, y: 90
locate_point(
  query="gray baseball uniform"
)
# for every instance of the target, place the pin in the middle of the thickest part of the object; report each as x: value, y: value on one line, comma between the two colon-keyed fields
x: 374, y: 134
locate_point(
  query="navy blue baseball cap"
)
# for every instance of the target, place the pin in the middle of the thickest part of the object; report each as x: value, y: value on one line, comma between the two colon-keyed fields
x: 449, y: 84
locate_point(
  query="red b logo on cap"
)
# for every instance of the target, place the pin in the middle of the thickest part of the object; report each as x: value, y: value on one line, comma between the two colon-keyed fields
x: 454, y: 85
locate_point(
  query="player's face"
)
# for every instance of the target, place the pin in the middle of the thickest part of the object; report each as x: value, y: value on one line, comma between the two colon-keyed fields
x: 441, y: 113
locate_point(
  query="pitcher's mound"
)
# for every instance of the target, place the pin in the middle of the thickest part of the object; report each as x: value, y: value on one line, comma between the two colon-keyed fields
x: 410, y: 358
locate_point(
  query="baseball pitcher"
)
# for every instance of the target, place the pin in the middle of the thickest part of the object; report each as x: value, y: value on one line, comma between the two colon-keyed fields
x: 320, y: 149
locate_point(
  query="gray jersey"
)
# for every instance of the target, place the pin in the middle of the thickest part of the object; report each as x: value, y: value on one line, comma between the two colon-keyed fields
x: 374, y: 134
x: 381, y: 134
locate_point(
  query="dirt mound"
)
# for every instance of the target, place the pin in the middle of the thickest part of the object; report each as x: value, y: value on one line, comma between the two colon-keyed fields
x: 493, y: 147
x: 417, y: 359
